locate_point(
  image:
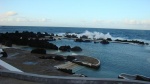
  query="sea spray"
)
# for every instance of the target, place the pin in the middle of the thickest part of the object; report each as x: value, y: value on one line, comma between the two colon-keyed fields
x: 90, y: 35
x: 74, y: 54
x: 98, y: 35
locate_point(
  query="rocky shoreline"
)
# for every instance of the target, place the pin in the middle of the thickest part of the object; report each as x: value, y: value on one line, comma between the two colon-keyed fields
x: 42, y: 40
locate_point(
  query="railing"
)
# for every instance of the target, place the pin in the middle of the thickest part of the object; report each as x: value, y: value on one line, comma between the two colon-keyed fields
x: 66, y: 80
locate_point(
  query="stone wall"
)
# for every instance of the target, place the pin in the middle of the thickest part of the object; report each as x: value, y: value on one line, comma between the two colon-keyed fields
x: 65, y: 80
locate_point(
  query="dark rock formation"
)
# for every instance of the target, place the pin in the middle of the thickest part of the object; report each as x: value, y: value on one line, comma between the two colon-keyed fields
x: 7, y: 43
x: 39, y: 51
x: 104, y: 42
x: 71, y: 36
x: 118, y: 40
x: 70, y: 58
x: 66, y: 70
x: 78, y: 40
x: 146, y: 43
x: 46, y: 57
x: 51, y: 38
x: 27, y: 38
x: 96, y: 41
x: 64, y: 48
x: 4, y: 54
x: 132, y: 41
x: 109, y: 39
x: 87, y: 40
x: 81, y: 40
x: 42, y: 44
x: 76, y: 48
x: 84, y: 37
x: 60, y: 58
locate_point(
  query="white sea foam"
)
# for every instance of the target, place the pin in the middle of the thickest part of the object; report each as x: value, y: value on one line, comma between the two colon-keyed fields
x: 74, y: 54
x: 61, y: 34
x: 97, y: 35
x: 93, y: 35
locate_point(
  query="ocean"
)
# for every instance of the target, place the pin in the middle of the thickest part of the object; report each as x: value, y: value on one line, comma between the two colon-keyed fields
x: 116, y: 58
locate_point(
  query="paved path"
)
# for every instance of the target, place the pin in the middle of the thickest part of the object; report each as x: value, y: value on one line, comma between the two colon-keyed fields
x: 7, y: 80
x: 6, y: 66
x: 2, y: 68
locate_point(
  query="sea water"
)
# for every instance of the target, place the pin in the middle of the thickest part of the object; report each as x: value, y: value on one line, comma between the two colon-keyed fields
x: 116, y: 58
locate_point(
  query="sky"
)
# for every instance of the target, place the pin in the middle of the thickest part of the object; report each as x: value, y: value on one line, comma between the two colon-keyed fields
x: 128, y: 14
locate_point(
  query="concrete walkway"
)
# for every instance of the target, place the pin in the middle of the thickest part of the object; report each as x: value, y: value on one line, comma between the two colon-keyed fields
x: 66, y: 80
x: 4, y: 65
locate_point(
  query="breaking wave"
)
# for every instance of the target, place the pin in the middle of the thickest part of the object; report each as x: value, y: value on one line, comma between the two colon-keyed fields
x: 92, y: 35
x: 95, y: 35
x: 100, y: 35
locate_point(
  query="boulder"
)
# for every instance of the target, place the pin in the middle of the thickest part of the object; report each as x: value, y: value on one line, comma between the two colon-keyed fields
x: 132, y: 41
x: 96, y: 42
x: 146, y: 43
x: 87, y: 40
x: 76, y: 48
x: 39, y: 51
x: 52, y: 46
x: 104, y: 42
x: 64, y: 48
x: 4, y: 54
x: 70, y: 58
x: 60, y: 58
x: 8, y: 43
x: 118, y: 40
x: 78, y: 40
x: 42, y: 44
x: 71, y: 36
x: 46, y: 57
x: 66, y: 70
x: 109, y: 39
x: 82, y: 40
x: 84, y: 37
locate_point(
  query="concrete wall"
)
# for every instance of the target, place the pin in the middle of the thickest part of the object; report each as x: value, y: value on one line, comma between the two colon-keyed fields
x: 66, y: 80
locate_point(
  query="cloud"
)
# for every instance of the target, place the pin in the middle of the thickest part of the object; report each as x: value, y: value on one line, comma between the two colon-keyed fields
x: 44, y: 20
x: 11, y: 13
x: 136, y: 22
x: 103, y: 22
x: 98, y: 21
x: 8, y: 14
x: 25, y: 19
x: 21, y: 19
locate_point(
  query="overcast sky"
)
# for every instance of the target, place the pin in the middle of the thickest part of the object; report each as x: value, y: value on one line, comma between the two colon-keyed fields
x: 133, y: 14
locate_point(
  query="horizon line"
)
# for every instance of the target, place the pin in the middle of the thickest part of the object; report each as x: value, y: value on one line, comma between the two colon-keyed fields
x: 72, y: 27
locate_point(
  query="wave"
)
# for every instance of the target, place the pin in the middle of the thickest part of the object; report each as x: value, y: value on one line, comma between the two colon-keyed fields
x: 99, y: 35
x: 74, y: 54
x: 95, y: 35
x: 92, y: 35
